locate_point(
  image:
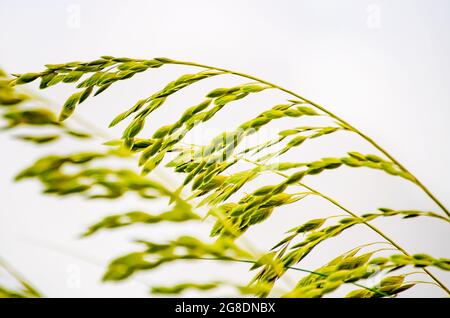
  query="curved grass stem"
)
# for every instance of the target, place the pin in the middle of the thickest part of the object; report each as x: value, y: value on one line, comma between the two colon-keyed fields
x: 374, y: 290
x: 332, y: 115
x: 27, y: 285
x: 374, y: 228
x: 348, y: 211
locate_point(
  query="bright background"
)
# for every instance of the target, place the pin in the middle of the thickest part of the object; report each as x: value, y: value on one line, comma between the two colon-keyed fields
x: 382, y: 65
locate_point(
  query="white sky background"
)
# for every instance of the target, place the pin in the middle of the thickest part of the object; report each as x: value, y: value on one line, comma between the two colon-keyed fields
x: 382, y: 65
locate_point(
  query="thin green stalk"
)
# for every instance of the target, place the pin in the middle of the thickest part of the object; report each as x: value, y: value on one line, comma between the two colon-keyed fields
x: 379, y: 232
x: 332, y: 115
x: 343, y: 208
x: 387, y: 238
x: 289, y: 267
x: 32, y: 290
x: 422, y: 282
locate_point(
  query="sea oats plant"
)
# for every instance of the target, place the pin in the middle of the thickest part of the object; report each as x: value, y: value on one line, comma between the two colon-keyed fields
x: 214, y: 180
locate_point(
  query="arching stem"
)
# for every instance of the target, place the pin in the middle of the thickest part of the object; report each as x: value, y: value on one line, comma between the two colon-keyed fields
x: 374, y: 290
x: 332, y: 115
x: 343, y: 208
x: 30, y: 289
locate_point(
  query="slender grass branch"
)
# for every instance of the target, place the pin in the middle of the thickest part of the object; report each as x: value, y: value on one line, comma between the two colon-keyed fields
x: 27, y: 285
x: 422, y: 282
x: 289, y: 267
x: 332, y: 115
x: 374, y: 228
x: 351, y: 213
